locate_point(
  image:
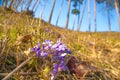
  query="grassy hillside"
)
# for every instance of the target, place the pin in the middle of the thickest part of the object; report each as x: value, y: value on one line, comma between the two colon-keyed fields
x: 20, y: 31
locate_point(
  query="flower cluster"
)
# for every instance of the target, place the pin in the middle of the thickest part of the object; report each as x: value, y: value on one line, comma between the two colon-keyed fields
x: 58, y: 51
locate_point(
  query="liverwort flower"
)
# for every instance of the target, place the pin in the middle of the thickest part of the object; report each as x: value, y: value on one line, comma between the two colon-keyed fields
x: 43, y: 54
x: 55, y: 70
x: 57, y: 44
x: 47, y: 42
x: 36, y: 48
x: 47, y: 30
x: 62, y: 66
x: 61, y: 47
x: 57, y: 52
x: 63, y: 55
x: 47, y: 47
x: 68, y: 51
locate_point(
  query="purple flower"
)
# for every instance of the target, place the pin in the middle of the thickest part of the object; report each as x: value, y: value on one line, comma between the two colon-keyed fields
x: 62, y: 65
x: 43, y: 54
x: 57, y: 44
x: 47, y: 30
x: 38, y: 54
x: 61, y: 48
x: 47, y: 47
x: 55, y: 70
x: 63, y: 55
x: 68, y: 51
x: 55, y: 65
x: 57, y: 51
x: 47, y: 42
x: 36, y: 48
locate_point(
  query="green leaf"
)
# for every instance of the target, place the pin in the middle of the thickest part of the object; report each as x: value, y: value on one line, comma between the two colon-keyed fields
x: 75, y: 11
x: 32, y: 62
x: 10, y: 62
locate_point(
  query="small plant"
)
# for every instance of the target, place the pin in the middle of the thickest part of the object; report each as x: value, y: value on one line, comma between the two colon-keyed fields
x: 55, y: 52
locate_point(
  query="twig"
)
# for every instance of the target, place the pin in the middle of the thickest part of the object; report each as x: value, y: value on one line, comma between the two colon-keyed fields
x: 4, y: 45
x: 16, y: 69
x: 21, y: 73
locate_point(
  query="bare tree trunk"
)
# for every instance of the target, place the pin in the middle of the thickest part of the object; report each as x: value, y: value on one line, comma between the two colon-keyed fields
x: 11, y: 3
x: 69, y: 4
x: 78, y: 28
x: 42, y: 10
x: 37, y: 5
x: 51, y: 12
x: 19, y: 2
x: 34, y: 4
x: 95, y: 24
x: 108, y: 15
x: 59, y: 12
x: 74, y: 22
x: 109, y: 23
x: 14, y: 4
x: 27, y: 6
x: 89, y: 25
x: 78, y: 18
x: 5, y: 3
x: 117, y: 12
x: 22, y: 5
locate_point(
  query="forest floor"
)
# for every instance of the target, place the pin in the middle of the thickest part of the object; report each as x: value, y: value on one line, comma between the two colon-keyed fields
x: 19, y: 32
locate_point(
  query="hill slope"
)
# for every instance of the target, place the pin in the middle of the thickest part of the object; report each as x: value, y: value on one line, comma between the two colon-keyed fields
x: 19, y: 32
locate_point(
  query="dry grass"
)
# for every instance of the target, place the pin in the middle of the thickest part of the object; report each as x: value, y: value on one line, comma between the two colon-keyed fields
x: 19, y: 32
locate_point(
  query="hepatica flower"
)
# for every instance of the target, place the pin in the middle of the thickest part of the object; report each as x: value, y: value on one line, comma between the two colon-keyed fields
x: 58, y: 51
x: 62, y: 66
x: 57, y: 68
x: 60, y: 47
x: 47, y: 44
x: 36, y: 48
x: 43, y: 54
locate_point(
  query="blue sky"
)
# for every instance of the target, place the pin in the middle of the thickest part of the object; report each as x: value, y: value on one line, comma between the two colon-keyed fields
x: 102, y: 22
x: 0, y: 2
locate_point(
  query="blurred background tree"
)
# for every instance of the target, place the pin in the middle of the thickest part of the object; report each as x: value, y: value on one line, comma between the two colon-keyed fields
x: 77, y: 9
